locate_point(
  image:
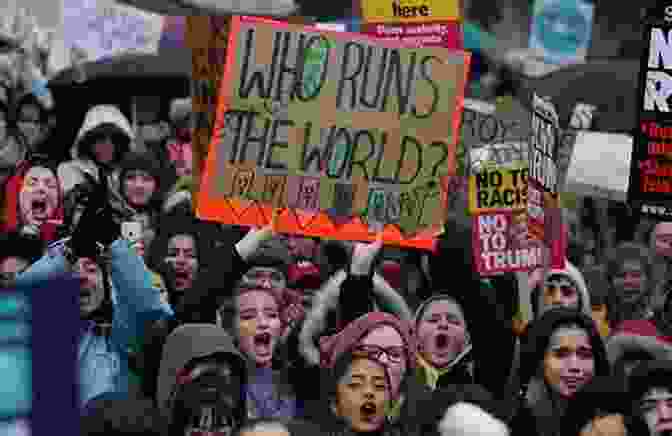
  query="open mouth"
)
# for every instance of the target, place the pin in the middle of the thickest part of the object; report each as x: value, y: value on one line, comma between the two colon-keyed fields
x: 39, y: 208
x: 368, y: 410
x: 441, y: 341
x: 573, y: 382
x: 262, y: 340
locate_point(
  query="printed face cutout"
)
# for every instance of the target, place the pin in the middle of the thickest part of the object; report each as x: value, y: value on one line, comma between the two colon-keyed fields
x: 656, y: 409
x: 39, y: 196
x: 568, y: 362
x: 560, y: 291
x: 612, y: 425
x: 265, y: 278
x: 258, y: 326
x: 663, y: 239
x: 209, y: 398
x: 389, y: 339
x: 361, y: 396
x: 630, y: 282
x: 9, y: 268
x: 92, y: 293
x: 182, y: 257
x: 139, y: 187
x: 441, y: 333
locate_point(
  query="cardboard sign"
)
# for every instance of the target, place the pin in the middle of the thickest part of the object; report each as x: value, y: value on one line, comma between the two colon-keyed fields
x: 501, y: 244
x: 561, y: 30
x: 651, y: 165
x: 302, y: 110
x: 103, y: 29
x: 542, y: 187
x: 498, y: 189
x: 447, y: 34
x: 410, y: 11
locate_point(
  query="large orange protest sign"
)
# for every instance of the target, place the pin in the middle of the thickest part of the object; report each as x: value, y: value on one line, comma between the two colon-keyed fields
x: 347, y: 135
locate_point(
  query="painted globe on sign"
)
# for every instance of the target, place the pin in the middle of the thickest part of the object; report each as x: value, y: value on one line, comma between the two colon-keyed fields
x: 562, y: 28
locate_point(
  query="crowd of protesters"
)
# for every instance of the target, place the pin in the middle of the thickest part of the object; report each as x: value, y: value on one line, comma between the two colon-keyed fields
x: 196, y: 328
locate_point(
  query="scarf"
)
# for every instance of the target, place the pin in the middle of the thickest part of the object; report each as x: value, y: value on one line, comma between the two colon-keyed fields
x: 393, y: 411
x: 428, y: 374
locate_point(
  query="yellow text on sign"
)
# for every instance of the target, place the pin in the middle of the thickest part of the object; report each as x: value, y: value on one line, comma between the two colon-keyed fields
x: 498, y: 189
x: 410, y: 11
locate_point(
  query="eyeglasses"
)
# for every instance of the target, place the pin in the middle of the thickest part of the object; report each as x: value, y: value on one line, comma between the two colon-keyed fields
x: 394, y: 354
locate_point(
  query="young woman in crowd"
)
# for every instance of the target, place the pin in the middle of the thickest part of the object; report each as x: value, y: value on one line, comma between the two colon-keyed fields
x: 562, y: 353
x: 34, y: 201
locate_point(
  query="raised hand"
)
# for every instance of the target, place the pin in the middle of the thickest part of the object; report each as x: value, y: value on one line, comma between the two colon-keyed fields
x: 363, y: 256
x: 254, y: 239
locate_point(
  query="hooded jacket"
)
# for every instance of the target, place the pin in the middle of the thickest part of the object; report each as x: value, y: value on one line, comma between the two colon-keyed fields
x: 102, y: 358
x: 569, y: 271
x: 538, y: 414
x: 459, y: 371
x: 70, y: 172
x: 185, y: 344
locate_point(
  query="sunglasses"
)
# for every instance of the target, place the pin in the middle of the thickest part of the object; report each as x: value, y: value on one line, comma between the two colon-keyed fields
x: 394, y: 354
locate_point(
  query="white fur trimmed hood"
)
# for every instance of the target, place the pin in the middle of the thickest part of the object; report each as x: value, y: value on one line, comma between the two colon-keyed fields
x: 569, y: 271
x: 326, y: 301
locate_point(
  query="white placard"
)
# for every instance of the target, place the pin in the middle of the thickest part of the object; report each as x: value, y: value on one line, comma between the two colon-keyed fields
x: 105, y: 28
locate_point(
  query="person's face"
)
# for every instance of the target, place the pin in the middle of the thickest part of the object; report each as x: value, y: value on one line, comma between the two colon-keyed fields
x: 560, y: 291
x: 30, y: 125
x: 630, y: 282
x: 139, y: 187
x: 258, y: 326
x: 612, y: 425
x: 182, y: 257
x: 39, y: 196
x: 209, y: 398
x: 91, y: 294
x: 9, y: 268
x: 441, y: 333
x: 568, y: 362
x: 656, y: 409
x: 361, y: 396
x: 104, y: 148
x: 663, y: 239
x: 265, y: 278
x: 394, y: 358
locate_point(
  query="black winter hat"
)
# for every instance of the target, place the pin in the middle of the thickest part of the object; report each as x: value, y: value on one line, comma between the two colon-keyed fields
x: 112, y: 415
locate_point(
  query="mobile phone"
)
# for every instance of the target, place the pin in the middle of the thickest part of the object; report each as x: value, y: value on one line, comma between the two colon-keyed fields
x: 131, y: 230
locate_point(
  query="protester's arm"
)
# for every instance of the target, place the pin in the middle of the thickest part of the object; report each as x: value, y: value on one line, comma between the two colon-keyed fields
x: 52, y: 264
x: 137, y: 301
x: 355, y: 298
x: 200, y: 303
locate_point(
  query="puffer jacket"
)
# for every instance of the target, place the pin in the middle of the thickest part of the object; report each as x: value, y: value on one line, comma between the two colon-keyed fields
x: 103, y: 355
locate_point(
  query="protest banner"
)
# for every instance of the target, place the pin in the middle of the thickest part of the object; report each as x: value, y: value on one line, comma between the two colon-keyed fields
x: 650, y: 181
x: 409, y: 11
x: 501, y: 244
x: 291, y: 93
x: 561, y: 30
x: 498, y: 188
x: 542, y: 181
x: 101, y: 29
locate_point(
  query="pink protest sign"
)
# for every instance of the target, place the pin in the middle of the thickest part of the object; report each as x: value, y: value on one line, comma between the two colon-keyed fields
x: 446, y: 34
x: 501, y: 244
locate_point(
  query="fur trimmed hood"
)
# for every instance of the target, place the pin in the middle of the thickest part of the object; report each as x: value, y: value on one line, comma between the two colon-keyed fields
x: 572, y: 273
x: 325, y: 302
x: 628, y: 342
